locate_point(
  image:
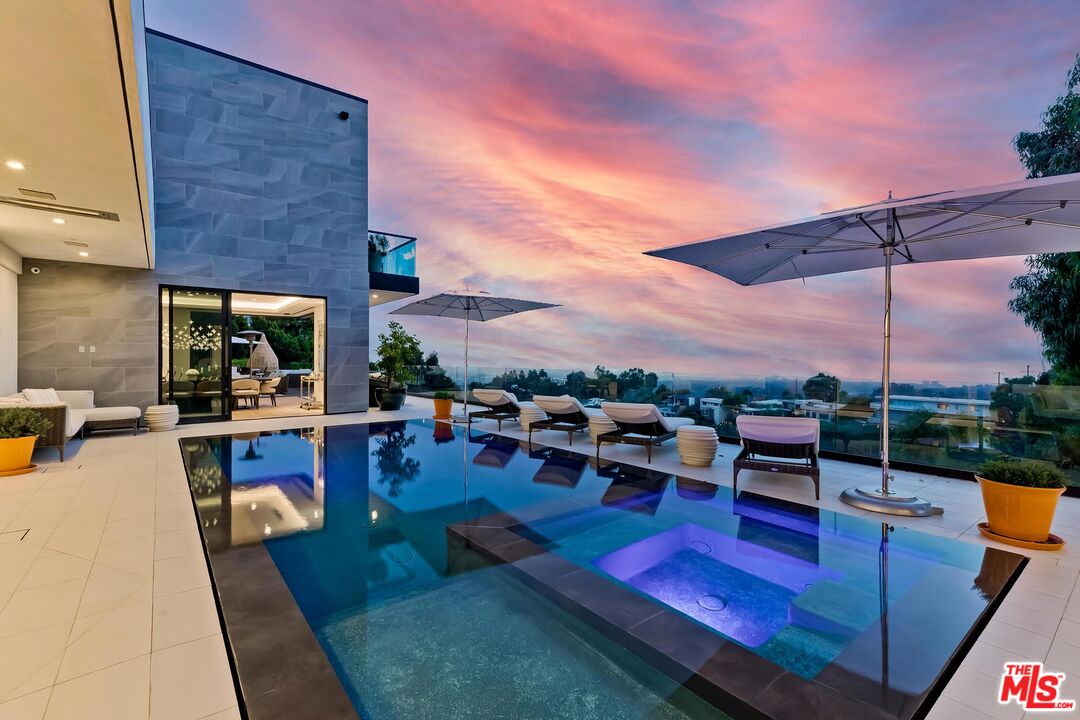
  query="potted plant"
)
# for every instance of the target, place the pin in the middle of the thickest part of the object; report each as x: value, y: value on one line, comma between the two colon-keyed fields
x: 1020, y: 497
x: 19, y: 431
x: 396, y: 349
x: 378, y: 245
x: 444, y: 404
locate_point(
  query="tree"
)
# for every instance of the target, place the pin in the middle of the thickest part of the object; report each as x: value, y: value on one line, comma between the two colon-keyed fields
x: 1048, y: 295
x: 292, y: 338
x: 397, y: 349
x: 821, y: 387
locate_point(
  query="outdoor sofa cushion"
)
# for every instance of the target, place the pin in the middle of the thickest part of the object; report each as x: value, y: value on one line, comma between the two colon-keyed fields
x: 110, y: 413
x: 41, y: 396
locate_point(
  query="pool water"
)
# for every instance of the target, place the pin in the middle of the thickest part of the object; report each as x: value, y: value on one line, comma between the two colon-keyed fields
x: 356, y: 520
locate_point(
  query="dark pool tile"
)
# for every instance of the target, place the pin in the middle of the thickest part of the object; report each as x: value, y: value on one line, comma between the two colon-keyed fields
x: 484, y: 538
x: 494, y: 520
x: 790, y: 697
x: 680, y: 639
x: 740, y: 672
x: 518, y: 550
x: 616, y: 605
x: 279, y: 660
x: 311, y: 696
x: 545, y: 566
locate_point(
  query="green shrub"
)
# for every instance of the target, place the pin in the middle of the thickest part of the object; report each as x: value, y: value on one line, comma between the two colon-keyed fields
x: 1025, y: 473
x: 443, y: 395
x: 21, y: 422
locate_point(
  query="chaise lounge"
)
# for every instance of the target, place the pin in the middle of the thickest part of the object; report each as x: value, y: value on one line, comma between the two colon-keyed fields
x: 564, y: 413
x: 780, y: 445
x: 638, y: 424
x: 501, y: 405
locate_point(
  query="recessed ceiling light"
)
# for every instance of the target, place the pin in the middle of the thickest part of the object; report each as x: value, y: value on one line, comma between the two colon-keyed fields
x: 59, y: 221
x: 15, y: 165
x: 374, y: 295
x: 84, y: 254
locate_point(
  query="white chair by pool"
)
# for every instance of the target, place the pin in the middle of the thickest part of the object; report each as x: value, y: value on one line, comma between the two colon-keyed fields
x: 639, y: 424
x: 501, y: 405
x: 564, y: 413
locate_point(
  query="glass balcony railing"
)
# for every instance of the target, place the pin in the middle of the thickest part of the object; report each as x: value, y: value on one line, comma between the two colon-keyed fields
x: 953, y: 426
x: 391, y: 254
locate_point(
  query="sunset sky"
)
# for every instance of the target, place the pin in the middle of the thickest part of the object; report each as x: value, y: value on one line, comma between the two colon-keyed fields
x: 537, y: 148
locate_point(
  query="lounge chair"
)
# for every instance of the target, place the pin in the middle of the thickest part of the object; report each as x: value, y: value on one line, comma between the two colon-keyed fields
x: 638, y: 424
x: 501, y: 405
x: 564, y: 413
x: 778, y: 444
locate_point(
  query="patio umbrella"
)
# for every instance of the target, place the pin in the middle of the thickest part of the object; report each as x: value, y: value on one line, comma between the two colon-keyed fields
x: 476, y: 305
x: 1032, y: 216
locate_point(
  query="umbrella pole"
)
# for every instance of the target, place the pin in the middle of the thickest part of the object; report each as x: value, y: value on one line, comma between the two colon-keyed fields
x: 886, y: 367
x: 465, y: 380
x: 883, y: 499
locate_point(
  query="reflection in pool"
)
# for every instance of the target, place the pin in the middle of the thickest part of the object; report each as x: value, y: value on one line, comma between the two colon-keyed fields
x: 462, y: 574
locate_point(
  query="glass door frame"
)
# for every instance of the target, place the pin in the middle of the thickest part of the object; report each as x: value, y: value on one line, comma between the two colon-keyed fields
x: 225, y: 354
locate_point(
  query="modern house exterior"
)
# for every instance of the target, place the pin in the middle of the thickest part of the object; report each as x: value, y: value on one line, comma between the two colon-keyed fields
x: 192, y: 175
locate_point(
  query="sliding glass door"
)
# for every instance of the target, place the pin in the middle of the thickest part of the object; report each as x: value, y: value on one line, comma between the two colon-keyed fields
x: 194, y: 352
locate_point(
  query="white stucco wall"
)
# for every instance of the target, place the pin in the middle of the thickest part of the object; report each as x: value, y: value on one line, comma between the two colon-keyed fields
x: 10, y: 266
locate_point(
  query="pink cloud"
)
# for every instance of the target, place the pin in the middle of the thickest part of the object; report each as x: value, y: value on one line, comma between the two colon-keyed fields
x: 538, y: 149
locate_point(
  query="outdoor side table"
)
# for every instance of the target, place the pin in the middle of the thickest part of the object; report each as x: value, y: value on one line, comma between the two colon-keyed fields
x: 697, y: 445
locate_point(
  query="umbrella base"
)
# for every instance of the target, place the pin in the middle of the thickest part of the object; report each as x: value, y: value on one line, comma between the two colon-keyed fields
x: 893, y: 503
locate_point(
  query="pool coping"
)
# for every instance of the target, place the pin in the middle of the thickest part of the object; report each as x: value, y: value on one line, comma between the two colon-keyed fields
x: 729, y: 676
x: 280, y: 674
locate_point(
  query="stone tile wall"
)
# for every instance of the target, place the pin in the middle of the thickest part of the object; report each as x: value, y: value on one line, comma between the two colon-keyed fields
x: 259, y: 185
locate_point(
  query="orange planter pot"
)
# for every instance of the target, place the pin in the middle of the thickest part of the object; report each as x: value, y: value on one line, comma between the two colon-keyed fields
x: 1023, y: 513
x: 443, y: 408
x: 15, y: 453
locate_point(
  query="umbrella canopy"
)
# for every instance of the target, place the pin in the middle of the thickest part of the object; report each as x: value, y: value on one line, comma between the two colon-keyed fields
x: 469, y: 305
x: 1040, y: 215
x: 1032, y: 216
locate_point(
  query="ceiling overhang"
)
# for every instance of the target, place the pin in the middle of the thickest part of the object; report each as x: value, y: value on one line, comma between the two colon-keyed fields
x: 74, y: 114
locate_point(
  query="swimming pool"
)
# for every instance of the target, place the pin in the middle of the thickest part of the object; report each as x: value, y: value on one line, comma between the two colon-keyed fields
x: 419, y: 570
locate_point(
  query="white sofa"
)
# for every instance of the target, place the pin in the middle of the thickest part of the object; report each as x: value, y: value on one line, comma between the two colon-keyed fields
x: 71, y: 412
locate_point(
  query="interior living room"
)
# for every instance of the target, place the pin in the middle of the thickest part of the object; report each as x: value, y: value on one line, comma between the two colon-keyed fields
x: 278, y: 342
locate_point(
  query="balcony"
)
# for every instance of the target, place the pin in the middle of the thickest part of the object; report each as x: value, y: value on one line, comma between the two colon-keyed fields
x: 391, y: 267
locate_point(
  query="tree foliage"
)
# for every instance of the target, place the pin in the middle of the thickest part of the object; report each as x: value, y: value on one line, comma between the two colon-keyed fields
x: 292, y: 338
x: 397, y: 350
x: 821, y: 387
x: 1047, y: 297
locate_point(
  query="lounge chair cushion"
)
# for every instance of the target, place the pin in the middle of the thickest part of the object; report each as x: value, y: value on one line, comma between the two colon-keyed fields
x: 495, y: 396
x: 642, y: 413
x: 562, y: 405
x: 781, y: 430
